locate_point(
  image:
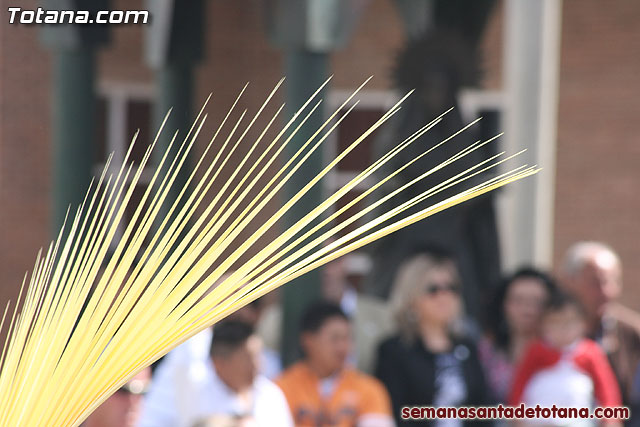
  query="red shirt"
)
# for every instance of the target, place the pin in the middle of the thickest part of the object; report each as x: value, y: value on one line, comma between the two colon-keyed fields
x: 587, y: 356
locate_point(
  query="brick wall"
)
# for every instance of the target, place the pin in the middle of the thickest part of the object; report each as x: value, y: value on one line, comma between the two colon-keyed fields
x: 24, y: 151
x: 598, y: 149
x: 236, y: 51
x: 598, y: 175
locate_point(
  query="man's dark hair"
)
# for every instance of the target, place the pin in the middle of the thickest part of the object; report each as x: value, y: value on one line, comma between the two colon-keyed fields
x: 228, y: 336
x: 559, y: 300
x: 316, y: 315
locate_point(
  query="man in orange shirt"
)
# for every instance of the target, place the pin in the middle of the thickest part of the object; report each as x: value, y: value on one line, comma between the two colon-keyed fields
x: 321, y: 389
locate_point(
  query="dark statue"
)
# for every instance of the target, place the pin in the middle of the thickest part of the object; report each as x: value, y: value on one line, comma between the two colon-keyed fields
x: 437, y: 66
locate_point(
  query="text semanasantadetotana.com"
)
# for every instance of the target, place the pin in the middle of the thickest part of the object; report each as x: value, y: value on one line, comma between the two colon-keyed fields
x: 18, y: 15
x: 513, y: 412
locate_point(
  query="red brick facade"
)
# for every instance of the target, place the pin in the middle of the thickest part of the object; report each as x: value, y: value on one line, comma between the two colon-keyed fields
x: 598, y: 176
x: 598, y: 146
x: 25, y: 170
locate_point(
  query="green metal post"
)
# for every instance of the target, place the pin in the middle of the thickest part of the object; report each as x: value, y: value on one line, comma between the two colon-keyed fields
x: 175, y: 90
x: 73, y: 128
x: 174, y: 46
x: 305, y: 72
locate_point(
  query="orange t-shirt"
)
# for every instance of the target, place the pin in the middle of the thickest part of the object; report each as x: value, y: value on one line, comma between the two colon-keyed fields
x: 355, y: 398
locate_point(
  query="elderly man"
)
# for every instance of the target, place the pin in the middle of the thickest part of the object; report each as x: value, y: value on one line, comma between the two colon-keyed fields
x: 592, y: 271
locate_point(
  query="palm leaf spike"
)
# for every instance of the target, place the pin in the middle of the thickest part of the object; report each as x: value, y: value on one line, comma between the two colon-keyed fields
x: 87, y: 325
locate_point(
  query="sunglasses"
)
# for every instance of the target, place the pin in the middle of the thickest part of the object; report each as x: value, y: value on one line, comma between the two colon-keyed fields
x: 435, y: 289
x: 135, y: 387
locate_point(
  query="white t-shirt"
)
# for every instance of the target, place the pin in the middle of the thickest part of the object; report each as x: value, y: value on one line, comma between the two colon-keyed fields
x: 185, y: 388
x: 563, y: 385
x: 267, y: 404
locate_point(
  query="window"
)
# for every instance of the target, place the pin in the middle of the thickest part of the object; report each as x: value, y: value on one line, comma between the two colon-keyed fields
x: 373, y: 104
x: 122, y: 109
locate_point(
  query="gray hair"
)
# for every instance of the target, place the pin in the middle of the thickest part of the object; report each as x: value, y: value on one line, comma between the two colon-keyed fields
x: 579, y: 253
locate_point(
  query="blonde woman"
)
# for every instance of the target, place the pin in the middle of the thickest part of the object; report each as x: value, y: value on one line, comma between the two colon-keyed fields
x: 427, y: 363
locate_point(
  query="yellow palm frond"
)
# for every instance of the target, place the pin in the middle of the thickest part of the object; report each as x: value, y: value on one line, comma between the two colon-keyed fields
x: 88, y: 322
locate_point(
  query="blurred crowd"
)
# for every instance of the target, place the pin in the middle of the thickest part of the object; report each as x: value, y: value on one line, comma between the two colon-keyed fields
x: 565, y: 340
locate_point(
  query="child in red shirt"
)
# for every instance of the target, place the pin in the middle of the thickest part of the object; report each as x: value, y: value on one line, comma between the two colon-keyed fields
x: 564, y: 368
